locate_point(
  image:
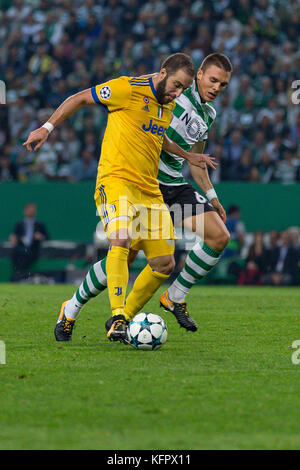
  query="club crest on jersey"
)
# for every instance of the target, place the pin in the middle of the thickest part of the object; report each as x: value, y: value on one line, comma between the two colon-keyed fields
x: 160, y: 112
x: 105, y: 92
x: 118, y: 291
x: 146, y: 101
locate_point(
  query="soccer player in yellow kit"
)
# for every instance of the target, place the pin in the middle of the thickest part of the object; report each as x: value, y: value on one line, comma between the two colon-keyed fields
x: 139, y: 113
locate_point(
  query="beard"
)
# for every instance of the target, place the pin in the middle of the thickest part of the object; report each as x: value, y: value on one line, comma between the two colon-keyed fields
x: 160, y: 91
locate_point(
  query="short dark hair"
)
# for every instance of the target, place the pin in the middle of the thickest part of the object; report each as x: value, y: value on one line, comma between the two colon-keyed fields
x: 178, y: 61
x: 218, y: 59
x: 233, y: 209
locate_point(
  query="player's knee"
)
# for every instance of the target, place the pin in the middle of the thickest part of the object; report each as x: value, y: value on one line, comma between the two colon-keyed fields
x: 163, y: 264
x: 120, y: 238
x: 169, y: 267
x: 220, y: 240
x: 223, y: 240
x: 122, y: 242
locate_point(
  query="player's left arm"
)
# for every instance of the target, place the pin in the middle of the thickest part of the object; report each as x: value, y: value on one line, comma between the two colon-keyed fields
x: 195, y: 159
x: 201, y: 177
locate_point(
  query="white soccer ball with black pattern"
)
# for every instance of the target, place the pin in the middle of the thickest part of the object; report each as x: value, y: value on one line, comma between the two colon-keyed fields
x: 147, y: 331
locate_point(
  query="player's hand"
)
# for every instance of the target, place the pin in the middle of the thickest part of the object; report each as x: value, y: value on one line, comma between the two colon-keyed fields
x: 200, y: 159
x: 13, y: 239
x: 39, y: 136
x: 219, y: 208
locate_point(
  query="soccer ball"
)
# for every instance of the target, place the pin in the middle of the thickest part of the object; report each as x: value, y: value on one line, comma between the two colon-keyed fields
x: 147, y: 331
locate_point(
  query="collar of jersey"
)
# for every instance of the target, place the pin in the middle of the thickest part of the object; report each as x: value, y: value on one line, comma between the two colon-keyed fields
x: 152, y: 87
x: 194, y: 96
x: 195, y: 92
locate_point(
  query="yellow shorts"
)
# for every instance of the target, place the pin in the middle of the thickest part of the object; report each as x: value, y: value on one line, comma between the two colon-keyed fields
x: 146, y: 217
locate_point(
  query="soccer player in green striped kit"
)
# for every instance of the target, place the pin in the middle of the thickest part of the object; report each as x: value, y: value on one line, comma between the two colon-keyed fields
x: 193, y: 116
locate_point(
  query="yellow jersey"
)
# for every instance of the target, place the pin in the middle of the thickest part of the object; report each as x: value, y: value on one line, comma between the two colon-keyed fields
x: 134, y: 134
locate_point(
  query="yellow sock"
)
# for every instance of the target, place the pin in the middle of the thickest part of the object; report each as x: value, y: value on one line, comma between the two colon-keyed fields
x: 117, y: 277
x: 146, y: 284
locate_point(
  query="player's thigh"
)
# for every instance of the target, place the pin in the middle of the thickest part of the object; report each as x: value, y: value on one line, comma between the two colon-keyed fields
x: 114, y: 202
x: 156, y: 230
x: 210, y: 227
x: 184, y: 202
x: 155, y: 221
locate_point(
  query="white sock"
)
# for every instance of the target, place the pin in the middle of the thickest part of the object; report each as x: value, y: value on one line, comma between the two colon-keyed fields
x: 94, y: 283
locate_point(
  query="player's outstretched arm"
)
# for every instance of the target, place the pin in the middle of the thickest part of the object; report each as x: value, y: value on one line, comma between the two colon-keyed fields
x: 201, y: 177
x: 196, y: 159
x: 66, y: 109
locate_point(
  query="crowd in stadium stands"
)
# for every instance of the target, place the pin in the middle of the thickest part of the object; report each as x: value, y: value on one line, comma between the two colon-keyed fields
x: 51, y: 49
x: 271, y: 258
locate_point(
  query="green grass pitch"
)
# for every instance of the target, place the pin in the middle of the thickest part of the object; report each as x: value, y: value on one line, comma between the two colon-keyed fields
x: 231, y: 385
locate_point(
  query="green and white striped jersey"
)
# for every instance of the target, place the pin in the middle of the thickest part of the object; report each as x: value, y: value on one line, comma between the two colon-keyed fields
x: 190, y: 124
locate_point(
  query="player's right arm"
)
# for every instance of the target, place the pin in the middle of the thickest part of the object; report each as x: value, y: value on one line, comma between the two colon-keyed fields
x: 66, y: 109
x: 113, y: 95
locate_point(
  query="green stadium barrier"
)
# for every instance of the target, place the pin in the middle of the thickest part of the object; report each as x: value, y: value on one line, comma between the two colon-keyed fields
x: 69, y: 211
x: 56, y: 264
x: 5, y: 269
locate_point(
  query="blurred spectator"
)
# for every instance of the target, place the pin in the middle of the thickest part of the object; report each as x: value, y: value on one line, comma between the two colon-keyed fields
x: 295, y: 131
x: 294, y: 233
x: 244, y: 166
x: 250, y: 275
x: 266, y: 167
x: 247, y: 116
x: 237, y: 231
x: 282, y: 262
x: 85, y: 168
x: 8, y: 170
x: 229, y: 24
x: 275, y: 147
x: 287, y: 171
x: 258, y: 145
x: 219, y: 174
x: 254, y: 176
x: 26, y: 239
x: 227, y: 115
x: 256, y: 262
x: 258, y: 251
x: 48, y: 159
x: 273, y: 240
x: 233, y: 151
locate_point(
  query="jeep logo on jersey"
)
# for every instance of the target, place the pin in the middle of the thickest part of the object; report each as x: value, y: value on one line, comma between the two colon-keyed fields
x: 105, y: 92
x: 154, y: 128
